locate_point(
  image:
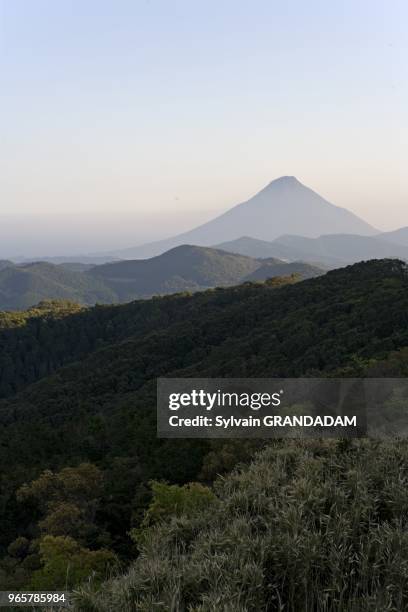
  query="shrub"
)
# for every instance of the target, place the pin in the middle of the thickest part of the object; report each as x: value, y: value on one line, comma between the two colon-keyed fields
x: 308, y: 526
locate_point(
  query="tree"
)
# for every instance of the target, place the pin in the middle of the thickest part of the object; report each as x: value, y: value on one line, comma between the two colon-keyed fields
x: 66, y: 563
x: 68, y: 500
x: 173, y: 500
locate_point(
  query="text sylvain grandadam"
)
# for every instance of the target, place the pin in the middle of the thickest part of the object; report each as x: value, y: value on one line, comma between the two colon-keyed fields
x: 254, y: 401
x: 267, y: 421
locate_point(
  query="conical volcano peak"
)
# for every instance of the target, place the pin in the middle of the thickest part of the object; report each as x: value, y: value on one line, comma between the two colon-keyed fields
x: 284, y: 206
x: 284, y: 181
x: 282, y: 187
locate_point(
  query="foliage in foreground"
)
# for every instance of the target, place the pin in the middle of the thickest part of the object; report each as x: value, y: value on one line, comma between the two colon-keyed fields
x: 308, y: 526
x: 66, y: 563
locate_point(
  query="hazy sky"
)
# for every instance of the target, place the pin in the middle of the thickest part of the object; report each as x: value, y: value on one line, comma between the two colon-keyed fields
x: 148, y: 109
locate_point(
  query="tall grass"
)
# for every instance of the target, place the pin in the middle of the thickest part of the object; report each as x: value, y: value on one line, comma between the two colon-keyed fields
x: 314, y: 526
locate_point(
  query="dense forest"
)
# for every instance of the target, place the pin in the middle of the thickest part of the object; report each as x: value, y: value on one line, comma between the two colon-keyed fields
x: 86, y: 485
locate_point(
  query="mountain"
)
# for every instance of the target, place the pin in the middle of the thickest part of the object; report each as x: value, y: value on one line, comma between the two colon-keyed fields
x: 184, y: 268
x: 187, y: 268
x: 190, y: 268
x: 399, y: 236
x: 91, y: 409
x: 92, y: 260
x: 22, y: 286
x: 253, y: 247
x: 333, y: 250
x: 77, y: 266
x: 342, y: 249
x: 285, y: 206
x: 271, y: 268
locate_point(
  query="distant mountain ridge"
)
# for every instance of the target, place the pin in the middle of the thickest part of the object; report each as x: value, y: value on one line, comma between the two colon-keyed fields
x: 285, y: 206
x: 251, y: 247
x: 184, y: 268
x: 332, y: 250
x: 285, y: 228
x: 272, y: 267
x: 346, y: 248
x: 188, y: 268
x: 398, y: 236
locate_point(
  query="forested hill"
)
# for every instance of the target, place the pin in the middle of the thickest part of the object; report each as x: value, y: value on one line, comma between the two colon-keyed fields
x: 307, y: 321
x: 185, y: 268
x: 22, y: 286
x: 98, y: 404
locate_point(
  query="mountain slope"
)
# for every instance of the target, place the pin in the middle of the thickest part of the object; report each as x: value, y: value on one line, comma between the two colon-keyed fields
x: 345, y: 248
x: 101, y: 407
x: 333, y: 250
x: 77, y: 266
x: 92, y: 260
x: 182, y: 268
x: 253, y: 247
x: 23, y: 286
x: 276, y: 249
x: 252, y: 329
x: 285, y: 206
x: 272, y: 268
x: 399, y: 236
x: 217, y: 330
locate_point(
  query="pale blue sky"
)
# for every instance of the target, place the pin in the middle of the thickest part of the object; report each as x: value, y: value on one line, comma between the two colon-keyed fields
x: 136, y: 108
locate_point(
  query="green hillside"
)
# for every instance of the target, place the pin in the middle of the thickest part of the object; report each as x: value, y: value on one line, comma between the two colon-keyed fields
x: 95, y: 413
x: 271, y: 268
x: 185, y: 268
x: 23, y: 286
